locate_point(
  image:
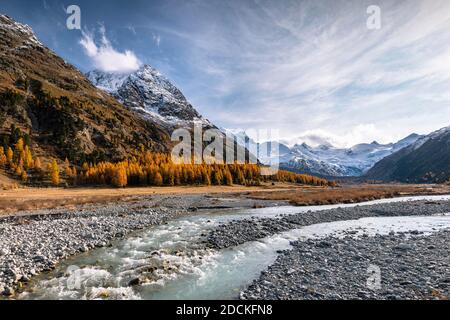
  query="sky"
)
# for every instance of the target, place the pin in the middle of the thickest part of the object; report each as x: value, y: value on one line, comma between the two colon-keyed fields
x: 312, y: 70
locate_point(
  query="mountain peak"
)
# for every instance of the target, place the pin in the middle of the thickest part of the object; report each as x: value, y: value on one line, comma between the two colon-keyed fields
x: 45, y: 88
x: 23, y: 31
x: 326, y: 160
x: 149, y: 69
x: 107, y: 81
x: 149, y: 93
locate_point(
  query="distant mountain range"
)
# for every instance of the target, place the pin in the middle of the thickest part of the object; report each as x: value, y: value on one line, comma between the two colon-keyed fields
x: 328, y: 161
x: 414, y: 159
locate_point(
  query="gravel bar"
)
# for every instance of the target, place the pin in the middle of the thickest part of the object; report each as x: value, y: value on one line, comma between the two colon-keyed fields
x: 237, y: 232
x: 392, y: 267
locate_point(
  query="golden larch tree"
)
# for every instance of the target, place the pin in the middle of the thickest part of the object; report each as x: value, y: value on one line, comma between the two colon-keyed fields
x: 54, y: 173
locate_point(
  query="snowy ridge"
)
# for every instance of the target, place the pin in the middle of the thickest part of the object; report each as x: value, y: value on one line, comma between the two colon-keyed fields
x: 434, y: 135
x: 425, y: 161
x: 149, y: 93
x: 326, y: 160
x: 109, y: 82
x: 23, y: 30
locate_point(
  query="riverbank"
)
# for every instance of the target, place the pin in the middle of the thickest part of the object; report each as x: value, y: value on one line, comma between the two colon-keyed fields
x: 351, y: 193
x: 31, y: 199
x: 384, y: 267
x: 29, y: 246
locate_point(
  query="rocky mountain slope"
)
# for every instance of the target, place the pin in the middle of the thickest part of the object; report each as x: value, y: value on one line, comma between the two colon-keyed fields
x: 149, y: 93
x: 63, y: 113
x: 326, y: 160
x: 155, y: 99
x: 426, y: 160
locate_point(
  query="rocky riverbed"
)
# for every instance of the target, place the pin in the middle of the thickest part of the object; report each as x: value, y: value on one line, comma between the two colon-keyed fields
x: 30, y: 245
x: 394, y: 266
x: 32, y: 242
x: 36, y: 241
x: 238, y: 232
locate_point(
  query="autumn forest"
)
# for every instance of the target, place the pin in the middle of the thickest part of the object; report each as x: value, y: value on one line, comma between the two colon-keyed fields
x: 143, y: 169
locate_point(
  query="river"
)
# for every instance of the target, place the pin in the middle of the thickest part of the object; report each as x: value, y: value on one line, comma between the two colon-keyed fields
x: 171, y: 262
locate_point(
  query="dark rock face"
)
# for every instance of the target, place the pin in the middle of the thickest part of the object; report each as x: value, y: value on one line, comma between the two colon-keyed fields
x: 427, y: 160
x: 155, y: 99
x: 147, y: 88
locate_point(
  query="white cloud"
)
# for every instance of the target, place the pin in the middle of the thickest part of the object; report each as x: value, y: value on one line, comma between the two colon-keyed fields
x: 105, y: 58
x: 360, y: 133
x: 313, y: 138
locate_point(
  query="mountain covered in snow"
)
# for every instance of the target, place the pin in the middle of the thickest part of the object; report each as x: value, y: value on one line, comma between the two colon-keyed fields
x: 64, y: 115
x: 326, y: 160
x: 149, y: 93
x: 426, y: 160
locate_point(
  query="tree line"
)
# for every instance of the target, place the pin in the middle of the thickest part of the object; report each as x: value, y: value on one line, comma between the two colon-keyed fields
x: 157, y: 169
x: 144, y: 169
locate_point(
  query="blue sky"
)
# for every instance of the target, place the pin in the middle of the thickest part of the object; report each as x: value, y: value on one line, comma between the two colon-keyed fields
x: 311, y: 69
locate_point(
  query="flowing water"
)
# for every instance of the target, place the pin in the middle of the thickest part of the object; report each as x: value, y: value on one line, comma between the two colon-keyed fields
x: 170, y: 262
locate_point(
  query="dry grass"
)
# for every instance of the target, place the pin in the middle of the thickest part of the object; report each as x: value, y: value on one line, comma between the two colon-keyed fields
x: 13, y: 200
x: 34, y: 198
x: 350, y: 193
x: 7, y: 183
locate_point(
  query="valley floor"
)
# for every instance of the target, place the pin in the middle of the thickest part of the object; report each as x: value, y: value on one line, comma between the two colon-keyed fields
x: 36, y: 241
x: 29, y: 199
x: 40, y: 227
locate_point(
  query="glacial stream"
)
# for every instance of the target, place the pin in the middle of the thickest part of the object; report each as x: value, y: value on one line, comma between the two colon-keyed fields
x: 170, y: 262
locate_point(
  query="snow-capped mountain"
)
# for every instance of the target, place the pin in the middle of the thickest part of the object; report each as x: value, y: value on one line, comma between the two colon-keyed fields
x: 434, y: 135
x: 24, y: 31
x: 149, y: 93
x: 106, y: 81
x: 326, y: 160
x: 33, y: 75
x: 239, y: 136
